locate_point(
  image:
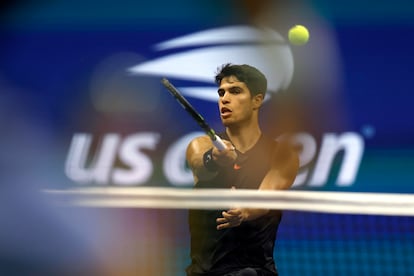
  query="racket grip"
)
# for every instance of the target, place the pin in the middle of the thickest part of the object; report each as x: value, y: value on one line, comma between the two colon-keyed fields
x: 218, y: 143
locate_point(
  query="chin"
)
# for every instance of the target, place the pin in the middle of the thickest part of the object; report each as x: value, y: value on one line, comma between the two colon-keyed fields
x: 227, y: 123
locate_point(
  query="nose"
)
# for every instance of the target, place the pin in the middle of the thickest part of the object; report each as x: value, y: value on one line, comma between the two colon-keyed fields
x: 225, y: 98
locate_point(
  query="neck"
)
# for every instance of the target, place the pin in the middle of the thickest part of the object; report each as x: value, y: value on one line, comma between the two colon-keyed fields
x: 244, y: 138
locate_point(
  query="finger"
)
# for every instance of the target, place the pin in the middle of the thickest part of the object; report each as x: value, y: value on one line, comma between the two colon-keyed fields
x: 224, y: 226
x: 228, y: 216
x: 229, y: 145
x: 234, y: 212
x: 229, y: 224
x: 221, y: 220
x: 233, y: 221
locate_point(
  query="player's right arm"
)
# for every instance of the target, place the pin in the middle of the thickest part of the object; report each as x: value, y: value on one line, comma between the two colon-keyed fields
x: 205, y: 160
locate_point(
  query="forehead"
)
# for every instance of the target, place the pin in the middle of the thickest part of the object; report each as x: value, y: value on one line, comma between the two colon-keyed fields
x: 231, y: 81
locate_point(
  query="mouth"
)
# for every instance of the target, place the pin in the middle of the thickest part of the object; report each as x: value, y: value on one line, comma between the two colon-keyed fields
x: 225, y: 112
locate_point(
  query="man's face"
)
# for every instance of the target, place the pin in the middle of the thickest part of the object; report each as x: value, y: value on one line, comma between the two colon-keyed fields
x: 235, y: 102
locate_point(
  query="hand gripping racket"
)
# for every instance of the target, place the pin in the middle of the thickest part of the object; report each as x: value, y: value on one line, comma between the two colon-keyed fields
x: 217, y: 142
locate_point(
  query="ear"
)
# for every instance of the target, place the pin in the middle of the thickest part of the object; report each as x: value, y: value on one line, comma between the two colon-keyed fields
x: 257, y: 101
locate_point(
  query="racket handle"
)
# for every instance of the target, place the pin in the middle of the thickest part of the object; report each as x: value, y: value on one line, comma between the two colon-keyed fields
x: 218, y: 143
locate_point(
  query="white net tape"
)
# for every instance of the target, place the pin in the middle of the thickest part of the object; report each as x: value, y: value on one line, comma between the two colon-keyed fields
x: 173, y: 198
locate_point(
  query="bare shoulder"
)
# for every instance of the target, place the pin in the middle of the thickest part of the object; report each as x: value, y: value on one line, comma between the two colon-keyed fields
x: 198, y: 145
x: 285, y: 148
x: 200, y: 140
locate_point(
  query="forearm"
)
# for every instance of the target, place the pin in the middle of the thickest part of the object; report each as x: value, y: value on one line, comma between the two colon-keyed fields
x: 272, y: 181
x: 252, y: 214
x: 199, y: 169
x: 205, y: 160
x: 280, y: 177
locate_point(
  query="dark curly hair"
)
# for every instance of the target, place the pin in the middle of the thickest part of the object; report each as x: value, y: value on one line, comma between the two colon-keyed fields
x: 251, y: 76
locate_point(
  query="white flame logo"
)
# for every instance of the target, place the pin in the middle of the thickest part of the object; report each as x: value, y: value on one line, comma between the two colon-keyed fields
x: 206, y: 50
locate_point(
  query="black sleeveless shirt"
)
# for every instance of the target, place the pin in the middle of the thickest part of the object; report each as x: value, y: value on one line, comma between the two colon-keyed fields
x: 217, y: 252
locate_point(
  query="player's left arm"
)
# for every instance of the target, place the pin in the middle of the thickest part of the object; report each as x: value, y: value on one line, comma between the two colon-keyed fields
x: 282, y: 173
x: 283, y: 169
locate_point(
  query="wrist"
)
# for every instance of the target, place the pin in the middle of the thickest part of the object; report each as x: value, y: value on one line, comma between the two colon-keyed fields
x: 209, y: 162
x: 249, y: 214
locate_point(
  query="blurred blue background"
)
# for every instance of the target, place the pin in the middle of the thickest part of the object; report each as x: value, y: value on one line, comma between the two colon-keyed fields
x: 65, y: 94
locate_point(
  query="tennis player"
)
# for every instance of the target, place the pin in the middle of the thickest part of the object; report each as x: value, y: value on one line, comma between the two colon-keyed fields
x: 238, y: 241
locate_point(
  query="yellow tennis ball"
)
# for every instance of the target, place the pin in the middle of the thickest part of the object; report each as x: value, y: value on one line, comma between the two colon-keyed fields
x: 298, y: 35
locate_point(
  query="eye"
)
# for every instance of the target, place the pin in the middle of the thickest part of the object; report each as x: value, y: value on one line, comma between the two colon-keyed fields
x: 220, y: 92
x: 235, y: 90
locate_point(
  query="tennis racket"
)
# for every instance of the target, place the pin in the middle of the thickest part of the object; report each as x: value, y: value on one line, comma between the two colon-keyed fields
x: 217, y: 142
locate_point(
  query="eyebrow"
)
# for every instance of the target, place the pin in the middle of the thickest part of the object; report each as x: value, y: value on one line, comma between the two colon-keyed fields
x: 230, y: 88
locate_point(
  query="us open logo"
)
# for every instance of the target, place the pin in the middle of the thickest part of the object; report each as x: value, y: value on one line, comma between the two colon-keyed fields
x: 196, y: 58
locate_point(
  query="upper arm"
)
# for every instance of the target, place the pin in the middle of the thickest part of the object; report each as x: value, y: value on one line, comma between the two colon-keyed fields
x: 286, y: 160
x: 283, y: 169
